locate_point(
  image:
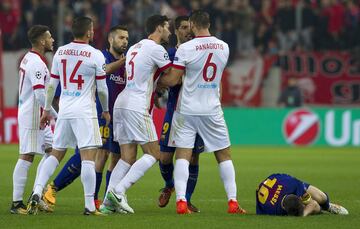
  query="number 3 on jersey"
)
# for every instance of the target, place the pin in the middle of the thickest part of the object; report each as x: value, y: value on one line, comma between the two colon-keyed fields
x: 132, y: 64
x: 209, y: 64
x: 72, y: 79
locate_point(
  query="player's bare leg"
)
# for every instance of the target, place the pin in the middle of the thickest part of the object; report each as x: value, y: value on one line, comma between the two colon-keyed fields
x: 46, y: 171
x: 227, y: 174
x: 323, y: 200
x: 181, y: 176
x: 20, y: 176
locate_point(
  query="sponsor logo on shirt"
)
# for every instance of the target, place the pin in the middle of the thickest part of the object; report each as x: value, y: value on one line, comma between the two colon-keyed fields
x: 71, y: 93
x: 207, y: 86
x: 118, y: 79
x: 130, y: 85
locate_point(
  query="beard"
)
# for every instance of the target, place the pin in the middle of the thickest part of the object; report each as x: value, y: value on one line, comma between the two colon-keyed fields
x: 119, y: 50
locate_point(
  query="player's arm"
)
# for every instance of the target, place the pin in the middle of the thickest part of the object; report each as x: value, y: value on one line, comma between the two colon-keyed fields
x: 114, y: 66
x: 312, y: 207
x: 50, y: 92
x: 40, y: 98
x: 101, y: 86
x: 173, y: 77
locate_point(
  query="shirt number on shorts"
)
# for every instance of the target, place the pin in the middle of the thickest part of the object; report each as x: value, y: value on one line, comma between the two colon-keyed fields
x: 72, y: 79
x: 104, y: 131
x: 132, y: 64
x: 208, y: 65
x: 263, y: 192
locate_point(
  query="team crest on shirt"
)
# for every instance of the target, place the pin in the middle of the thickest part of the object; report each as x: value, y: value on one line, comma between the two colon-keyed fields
x: 166, y: 56
x: 38, y: 74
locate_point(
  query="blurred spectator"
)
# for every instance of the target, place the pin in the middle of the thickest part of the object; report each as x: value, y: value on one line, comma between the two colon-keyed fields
x: 9, y: 21
x: 352, y: 19
x: 291, y: 95
x: 244, y: 25
x: 285, y: 24
x: 264, y: 27
x: 305, y: 23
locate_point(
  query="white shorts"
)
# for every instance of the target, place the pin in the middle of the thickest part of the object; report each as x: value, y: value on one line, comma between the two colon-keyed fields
x: 35, y: 141
x: 83, y: 133
x: 211, y: 128
x: 133, y: 127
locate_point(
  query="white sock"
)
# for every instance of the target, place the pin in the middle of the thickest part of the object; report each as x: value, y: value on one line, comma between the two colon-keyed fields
x: 181, y: 176
x: 39, y: 168
x: 88, y: 179
x: 118, y: 173
x: 20, y: 175
x: 136, y: 171
x: 227, y: 174
x: 47, y: 170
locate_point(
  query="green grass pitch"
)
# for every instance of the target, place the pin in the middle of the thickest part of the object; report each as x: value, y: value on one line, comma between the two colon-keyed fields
x: 334, y: 170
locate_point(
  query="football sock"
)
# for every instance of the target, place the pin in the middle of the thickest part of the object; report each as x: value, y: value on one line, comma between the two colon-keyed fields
x: 20, y: 175
x: 325, y: 206
x: 98, y: 184
x: 108, y: 175
x: 136, y: 171
x: 119, y: 172
x: 181, y: 176
x: 69, y: 172
x: 47, y: 170
x: 191, y: 183
x: 88, y: 180
x: 39, y: 168
x: 167, y: 171
x: 227, y: 174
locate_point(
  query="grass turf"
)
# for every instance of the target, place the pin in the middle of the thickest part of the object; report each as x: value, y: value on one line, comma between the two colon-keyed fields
x: 333, y: 170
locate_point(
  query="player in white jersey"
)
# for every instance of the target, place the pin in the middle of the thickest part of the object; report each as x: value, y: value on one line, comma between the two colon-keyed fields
x: 80, y: 70
x: 34, y: 75
x: 133, y: 124
x: 201, y: 61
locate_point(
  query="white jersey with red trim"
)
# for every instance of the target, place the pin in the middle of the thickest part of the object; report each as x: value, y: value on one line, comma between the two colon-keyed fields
x: 204, y: 60
x: 33, y: 74
x: 144, y: 63
x: 78, y: 65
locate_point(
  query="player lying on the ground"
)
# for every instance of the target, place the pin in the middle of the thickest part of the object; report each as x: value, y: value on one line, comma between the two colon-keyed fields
x: 115, y: 80
x: 282, y: 194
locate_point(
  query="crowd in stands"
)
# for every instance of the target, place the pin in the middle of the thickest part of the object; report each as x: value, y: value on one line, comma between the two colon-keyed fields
x: 248, y: 26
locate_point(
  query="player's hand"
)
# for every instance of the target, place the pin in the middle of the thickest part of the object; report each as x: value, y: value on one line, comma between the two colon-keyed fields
x: 106, y: 115
x: 45, y: 119
x: 122, y: 59
x: 157, y: 100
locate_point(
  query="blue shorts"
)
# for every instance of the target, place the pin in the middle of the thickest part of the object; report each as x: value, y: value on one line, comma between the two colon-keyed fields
x: 107, y: 135
x: 164, y: 138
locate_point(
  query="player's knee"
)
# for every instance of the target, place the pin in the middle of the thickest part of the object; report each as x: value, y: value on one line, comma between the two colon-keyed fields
x: 166, y: 158
x: 223, y: 155
x: 194, y: 159
x: 27, y: 157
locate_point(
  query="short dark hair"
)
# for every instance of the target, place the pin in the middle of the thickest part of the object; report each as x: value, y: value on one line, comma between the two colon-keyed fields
x: 118, y: 27
x: 154, y: 21
x: 293, y: 205
x: 35, y: 32
x: 180, y: 19
x: 80, y: 26
x: 201, y: 19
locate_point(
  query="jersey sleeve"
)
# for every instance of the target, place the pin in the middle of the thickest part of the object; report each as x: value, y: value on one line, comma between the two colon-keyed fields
x: 161, y: 58
x: 100, y: 66
x: 37, y: 76
x: 180, y: 58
